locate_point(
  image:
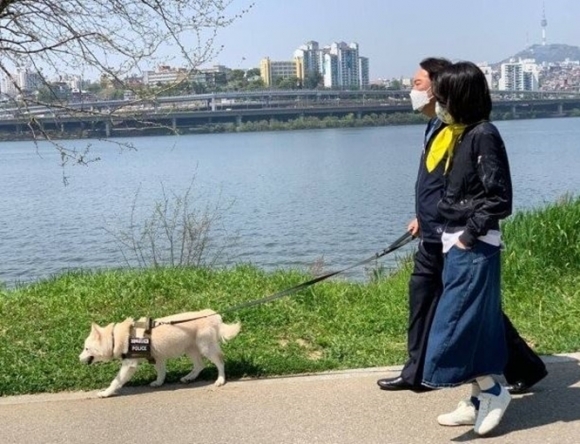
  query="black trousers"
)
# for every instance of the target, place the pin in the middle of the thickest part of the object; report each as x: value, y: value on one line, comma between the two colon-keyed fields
x: 425, y: 289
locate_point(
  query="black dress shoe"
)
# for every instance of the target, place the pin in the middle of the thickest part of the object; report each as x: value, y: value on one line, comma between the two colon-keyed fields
x: 522, y: 386
x: 399, y: 383
x: 518, y: 387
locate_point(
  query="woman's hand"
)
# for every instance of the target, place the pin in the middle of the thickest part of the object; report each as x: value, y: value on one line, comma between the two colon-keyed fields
x: 461, y: 245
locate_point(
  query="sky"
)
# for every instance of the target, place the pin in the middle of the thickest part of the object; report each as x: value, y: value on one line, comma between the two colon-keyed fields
x: 396, y: 35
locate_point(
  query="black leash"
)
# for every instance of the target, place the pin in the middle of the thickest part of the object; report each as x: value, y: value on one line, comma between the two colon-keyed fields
x: 400, y: 242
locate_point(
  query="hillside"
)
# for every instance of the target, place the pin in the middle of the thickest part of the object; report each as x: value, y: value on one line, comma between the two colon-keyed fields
x: 553, y: 53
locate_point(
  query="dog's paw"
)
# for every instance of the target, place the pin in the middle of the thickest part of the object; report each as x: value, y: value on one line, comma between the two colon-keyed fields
x: 186, y: 380
x: 104, y: 394
x: 156, y: 384
x: 219, y: 382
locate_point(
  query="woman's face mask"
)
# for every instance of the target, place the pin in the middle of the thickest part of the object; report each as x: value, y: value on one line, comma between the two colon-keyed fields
x: 419, y: 99
x: 443, y: 114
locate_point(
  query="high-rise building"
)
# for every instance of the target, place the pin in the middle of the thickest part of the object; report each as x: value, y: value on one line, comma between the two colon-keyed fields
x: 340, y: 64
x: 519, y: 76
x: 22, y: 81
x: 364, y: 71
x: 347, y: 65
x: 330, y: 71
x: 308, y: 60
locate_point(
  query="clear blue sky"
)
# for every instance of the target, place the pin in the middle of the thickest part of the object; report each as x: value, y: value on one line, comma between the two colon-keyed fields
x: 395, y: 35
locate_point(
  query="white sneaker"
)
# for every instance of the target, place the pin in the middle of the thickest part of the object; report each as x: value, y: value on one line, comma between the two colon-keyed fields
x: 464, y: 414
x: 491, y: 410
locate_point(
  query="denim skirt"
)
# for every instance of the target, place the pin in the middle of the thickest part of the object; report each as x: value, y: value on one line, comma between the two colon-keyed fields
x: 467, y: 337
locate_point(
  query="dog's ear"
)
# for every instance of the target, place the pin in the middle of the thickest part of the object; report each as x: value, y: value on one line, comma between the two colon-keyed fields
x: 95, y: 330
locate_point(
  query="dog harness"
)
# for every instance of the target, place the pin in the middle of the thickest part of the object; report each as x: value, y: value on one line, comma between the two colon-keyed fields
x: 139, y: 346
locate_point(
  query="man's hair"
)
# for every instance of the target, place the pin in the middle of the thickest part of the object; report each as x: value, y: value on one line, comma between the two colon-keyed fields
x: 434, y: 65
x: 462, y: 88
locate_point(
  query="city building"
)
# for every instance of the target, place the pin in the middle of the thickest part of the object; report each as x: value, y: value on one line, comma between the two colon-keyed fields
x: 167, y: 75
x: 364, y: 71
x: 339, y: 64
x: 522, y: 75
x: 164, y: 75
x: 271, y: 71
x: 309, y: 60
x: 22, y: 81
x: 330, y: 71
x: 561, y: 76
x: 211, y: 77
x: 347, y: 63
x: 488, y: 73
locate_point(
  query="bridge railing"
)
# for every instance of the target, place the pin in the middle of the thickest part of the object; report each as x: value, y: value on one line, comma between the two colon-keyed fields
x: 255, y: 99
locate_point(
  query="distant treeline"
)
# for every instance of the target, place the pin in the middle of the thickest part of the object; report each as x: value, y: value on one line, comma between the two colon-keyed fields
x: 351, y: 121
x: 306, y: 122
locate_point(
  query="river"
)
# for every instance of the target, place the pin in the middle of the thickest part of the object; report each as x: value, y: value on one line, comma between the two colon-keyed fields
x: 289, y: 199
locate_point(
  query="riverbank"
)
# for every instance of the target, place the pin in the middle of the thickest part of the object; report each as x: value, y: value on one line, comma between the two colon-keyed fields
x: 301, y: 123
x: 333, y: 325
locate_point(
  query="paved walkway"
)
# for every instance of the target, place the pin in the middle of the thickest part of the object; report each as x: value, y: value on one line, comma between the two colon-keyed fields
x: 331, y: 408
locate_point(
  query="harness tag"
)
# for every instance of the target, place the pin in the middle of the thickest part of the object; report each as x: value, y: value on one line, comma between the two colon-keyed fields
x: 139, y: 347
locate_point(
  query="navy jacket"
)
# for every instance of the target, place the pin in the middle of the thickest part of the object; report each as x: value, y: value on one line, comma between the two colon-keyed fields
x: 478, y: 187
x: 429, y: 190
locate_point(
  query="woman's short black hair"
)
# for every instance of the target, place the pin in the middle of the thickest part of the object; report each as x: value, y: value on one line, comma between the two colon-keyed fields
x: 462, y: 88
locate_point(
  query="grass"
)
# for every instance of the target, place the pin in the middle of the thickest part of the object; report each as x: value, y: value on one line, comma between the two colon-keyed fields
x: 333, y: 325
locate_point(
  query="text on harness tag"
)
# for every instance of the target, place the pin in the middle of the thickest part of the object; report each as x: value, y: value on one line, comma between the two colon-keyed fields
x: 139, y: 346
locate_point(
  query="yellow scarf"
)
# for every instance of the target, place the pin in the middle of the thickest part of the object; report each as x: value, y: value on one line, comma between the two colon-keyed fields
x: 443, y: 145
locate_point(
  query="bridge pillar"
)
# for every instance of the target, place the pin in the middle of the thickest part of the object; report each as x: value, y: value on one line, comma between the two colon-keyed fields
x: 108, y: 129
x: 514, y: 111
x: 213, y: 104
x: 359, y: 115
x: 174, y: 124
x: 560, y: 108
x: 239, y: 119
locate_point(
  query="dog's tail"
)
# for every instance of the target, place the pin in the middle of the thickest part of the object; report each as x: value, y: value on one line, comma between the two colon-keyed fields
x: 229, y: 331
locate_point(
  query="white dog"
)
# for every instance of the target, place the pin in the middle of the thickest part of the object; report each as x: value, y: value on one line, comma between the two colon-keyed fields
x: 193, y: 338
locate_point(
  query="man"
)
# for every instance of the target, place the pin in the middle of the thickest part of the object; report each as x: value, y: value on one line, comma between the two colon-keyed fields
x: 524, y: 367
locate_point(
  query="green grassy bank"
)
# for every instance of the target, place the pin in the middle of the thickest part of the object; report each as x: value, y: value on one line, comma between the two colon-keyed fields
x: 333, y: 325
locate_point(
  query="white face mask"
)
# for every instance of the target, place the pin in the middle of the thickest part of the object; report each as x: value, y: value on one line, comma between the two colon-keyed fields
x: 443, y: 114
x: 419, y: 99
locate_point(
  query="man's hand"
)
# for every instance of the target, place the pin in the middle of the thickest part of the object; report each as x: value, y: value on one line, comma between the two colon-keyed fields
x: 413, y: 228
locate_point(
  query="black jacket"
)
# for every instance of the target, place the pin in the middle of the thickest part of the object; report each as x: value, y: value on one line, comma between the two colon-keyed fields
x: 429, y: 190
x: 478, y: 187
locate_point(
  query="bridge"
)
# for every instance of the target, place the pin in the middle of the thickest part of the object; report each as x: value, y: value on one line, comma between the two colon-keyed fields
x: 179, y: 113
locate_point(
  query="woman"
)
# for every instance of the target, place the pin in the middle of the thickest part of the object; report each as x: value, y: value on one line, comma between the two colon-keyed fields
x: 466, y: 341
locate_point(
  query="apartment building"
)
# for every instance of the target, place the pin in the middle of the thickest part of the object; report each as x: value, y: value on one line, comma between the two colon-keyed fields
x: 271, y: 71
x: 339, y: 64
x: 519, y: 76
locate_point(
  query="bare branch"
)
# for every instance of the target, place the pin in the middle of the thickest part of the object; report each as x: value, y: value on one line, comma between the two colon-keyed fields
x: 116, y: 38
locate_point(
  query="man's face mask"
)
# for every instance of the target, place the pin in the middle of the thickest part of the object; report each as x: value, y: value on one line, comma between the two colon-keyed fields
x: 419, y: 99
x: 443, y: 114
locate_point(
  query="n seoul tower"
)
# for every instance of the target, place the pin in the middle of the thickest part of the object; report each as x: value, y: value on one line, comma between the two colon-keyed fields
x: 544, y: 24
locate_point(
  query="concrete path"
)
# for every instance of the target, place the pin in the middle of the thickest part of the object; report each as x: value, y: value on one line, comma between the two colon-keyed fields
x: 331, y: 408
